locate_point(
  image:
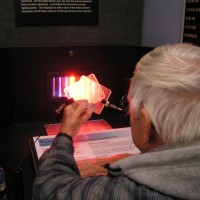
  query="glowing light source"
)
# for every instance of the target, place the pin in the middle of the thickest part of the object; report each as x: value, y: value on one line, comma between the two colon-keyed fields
x: 71, y: 80
x: 59, y: 86
x: 53, y: 87
x: 85, y: 88
x: 60, y: 83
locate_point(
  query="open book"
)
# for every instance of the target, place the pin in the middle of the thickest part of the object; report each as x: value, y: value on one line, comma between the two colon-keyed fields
x: 95, y: 145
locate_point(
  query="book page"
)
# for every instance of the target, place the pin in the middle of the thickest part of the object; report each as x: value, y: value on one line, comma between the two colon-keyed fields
x: 99, y: 144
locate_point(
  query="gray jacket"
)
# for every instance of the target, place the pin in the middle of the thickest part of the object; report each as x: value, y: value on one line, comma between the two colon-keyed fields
x: 173, y: 170
x: 167, y: 173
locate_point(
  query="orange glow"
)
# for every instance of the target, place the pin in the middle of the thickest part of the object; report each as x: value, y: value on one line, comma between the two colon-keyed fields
x: 85, y: 88
x: 71, y: 80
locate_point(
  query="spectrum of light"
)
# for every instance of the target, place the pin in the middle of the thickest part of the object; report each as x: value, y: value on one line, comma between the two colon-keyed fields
x: 77, y: 88
x: 60, y: 83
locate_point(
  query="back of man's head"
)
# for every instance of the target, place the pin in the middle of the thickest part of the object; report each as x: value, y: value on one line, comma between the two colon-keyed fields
x: 167, y: 84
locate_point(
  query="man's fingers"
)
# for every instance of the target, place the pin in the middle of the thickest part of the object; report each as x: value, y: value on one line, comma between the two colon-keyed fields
x: 87, y: 114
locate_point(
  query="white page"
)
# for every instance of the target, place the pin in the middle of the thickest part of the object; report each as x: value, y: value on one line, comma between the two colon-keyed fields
x: 97, y: 144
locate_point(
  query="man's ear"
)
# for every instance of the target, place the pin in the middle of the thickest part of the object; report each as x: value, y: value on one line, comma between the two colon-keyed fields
x: 154, y: 139
x: 151, y: 137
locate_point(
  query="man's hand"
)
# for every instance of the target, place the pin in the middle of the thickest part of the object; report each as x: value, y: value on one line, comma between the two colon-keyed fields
x: 95, y: 166
x: 75, y: 115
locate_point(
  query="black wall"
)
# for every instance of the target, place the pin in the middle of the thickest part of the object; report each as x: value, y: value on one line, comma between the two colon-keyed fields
x: 24, y: 78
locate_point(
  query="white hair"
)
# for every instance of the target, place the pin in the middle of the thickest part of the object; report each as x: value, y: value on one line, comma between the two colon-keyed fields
x: 167, y: 83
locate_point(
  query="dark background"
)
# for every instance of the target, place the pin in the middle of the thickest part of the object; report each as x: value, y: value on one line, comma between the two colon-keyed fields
x: 24, y: 80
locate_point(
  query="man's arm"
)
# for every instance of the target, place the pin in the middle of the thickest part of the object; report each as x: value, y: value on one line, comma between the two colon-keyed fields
x: 58, y: 176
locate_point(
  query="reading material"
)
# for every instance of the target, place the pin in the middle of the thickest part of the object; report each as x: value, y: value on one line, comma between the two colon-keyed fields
x: 94, y: 144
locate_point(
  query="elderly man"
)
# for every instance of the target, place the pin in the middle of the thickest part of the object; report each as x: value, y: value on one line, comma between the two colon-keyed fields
x: 164, y: 109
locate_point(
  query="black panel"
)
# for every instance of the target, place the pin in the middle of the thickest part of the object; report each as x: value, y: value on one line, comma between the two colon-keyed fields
x: 6, y: 100
x: 28, y: 69
x: 191, y: 33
